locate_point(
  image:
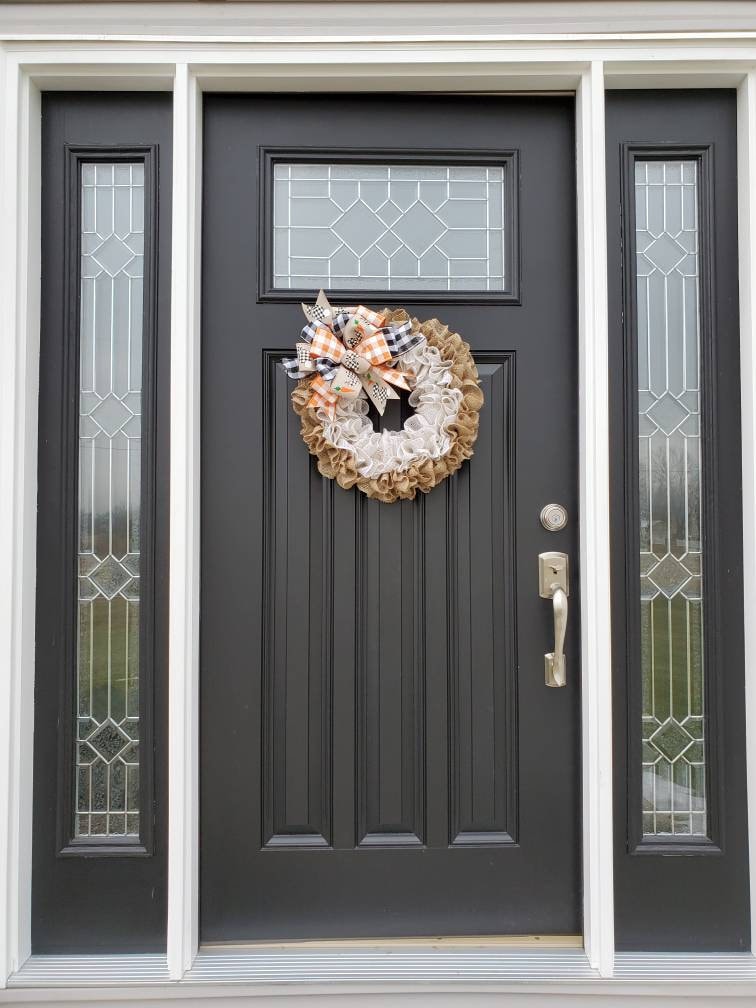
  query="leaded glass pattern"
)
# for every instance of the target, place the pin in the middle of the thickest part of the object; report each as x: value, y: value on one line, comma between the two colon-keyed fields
x: 107, y: 681
x: 669, y: 404
x: 389, y: 227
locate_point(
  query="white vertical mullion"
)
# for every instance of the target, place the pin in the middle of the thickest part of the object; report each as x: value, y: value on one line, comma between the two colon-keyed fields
x: 183, y: 671
x: 747, y: 283
x: 19, y: 384
x: 595, y: 611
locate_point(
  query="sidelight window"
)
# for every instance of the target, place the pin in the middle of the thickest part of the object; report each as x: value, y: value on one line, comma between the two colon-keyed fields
x: 106, y: 752
x: 100, y: 742
x: 667, y: 261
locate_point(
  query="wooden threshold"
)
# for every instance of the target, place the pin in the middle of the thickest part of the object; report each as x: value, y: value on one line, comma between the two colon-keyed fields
x: 463, y: 941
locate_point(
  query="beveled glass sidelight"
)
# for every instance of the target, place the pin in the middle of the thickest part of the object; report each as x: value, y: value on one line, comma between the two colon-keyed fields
x: 106, y: 754
x: 667, y: 243
x: 390, y: 227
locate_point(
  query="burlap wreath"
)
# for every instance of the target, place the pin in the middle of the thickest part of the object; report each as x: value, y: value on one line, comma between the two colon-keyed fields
x: 338, y: 464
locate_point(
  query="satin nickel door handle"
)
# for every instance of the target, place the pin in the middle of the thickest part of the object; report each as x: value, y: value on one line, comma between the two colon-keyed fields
x: 554, y: 584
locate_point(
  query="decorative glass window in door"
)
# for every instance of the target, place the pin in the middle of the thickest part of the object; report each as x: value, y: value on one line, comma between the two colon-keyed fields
x: 667, y: 245
x: 397, y: 227
x: 109, y: 520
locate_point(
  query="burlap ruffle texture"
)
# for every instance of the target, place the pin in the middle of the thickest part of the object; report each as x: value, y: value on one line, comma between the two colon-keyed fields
x: 338, y: 464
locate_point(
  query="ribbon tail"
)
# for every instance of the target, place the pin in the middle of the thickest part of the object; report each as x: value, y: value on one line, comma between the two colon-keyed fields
x: 399, y: 378
x: 318, y: 402
x: 322, y: 396
x: 378, y: 392
x: 306, y: 365
x: 346, y: 383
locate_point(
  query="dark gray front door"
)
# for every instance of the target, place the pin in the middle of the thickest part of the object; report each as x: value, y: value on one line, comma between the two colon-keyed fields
x: 380, y: 755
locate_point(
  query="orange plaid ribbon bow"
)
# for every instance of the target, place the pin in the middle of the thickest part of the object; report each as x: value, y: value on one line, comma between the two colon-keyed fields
x: 348, y: 351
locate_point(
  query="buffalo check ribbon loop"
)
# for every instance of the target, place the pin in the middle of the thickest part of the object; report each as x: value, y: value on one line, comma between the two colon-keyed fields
x: 349, y: 352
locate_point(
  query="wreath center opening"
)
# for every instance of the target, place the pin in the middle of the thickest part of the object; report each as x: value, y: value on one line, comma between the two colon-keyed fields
x: 395, y: 415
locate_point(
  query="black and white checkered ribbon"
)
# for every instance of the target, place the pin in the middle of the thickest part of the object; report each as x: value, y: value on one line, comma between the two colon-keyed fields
x: 323, y: 365
x: 399, y: 339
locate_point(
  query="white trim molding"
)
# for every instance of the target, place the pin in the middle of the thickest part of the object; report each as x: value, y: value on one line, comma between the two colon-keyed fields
x: 747, y: 284
x: 184, y: 574
x: 595, y: 614
x: 19, y: 351
x: 582, y: 48
x: 540, y: 21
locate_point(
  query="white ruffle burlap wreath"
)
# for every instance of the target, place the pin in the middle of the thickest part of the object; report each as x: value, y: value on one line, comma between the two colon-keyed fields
x: 434, y: 441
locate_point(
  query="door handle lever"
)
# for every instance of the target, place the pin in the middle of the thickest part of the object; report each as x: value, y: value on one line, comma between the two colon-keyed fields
x: 554, y: 584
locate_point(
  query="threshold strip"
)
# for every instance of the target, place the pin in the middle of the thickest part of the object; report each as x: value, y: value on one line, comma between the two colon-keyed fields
x: 384, y: 965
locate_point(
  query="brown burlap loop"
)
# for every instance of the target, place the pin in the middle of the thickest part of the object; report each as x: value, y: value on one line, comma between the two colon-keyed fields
x: 338, y: 464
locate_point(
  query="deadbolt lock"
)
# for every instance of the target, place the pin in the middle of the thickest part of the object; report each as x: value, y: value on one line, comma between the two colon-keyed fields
x: 554, y: 517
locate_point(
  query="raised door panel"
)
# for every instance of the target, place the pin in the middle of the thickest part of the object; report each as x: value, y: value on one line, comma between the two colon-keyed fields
x: 298, y: 536
x: 391, y: 674
x: 387, y: 554
x: 481, y: 625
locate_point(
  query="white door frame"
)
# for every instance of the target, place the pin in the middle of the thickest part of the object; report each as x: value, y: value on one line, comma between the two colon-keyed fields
x: 374, y: 59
